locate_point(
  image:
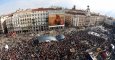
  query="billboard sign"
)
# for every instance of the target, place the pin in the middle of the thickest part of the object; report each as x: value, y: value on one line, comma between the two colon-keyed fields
x: 56, y: 20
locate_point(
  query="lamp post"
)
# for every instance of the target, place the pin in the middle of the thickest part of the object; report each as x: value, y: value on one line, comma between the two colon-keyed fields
x: 33, y: 23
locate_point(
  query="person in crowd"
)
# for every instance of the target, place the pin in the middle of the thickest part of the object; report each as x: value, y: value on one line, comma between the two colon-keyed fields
x: 71, y: 48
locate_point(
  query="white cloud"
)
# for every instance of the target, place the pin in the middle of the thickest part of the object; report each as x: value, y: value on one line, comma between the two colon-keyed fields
x: 100, y: 6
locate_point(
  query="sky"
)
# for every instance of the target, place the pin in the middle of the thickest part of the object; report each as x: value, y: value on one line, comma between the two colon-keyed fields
x: 104, y: 7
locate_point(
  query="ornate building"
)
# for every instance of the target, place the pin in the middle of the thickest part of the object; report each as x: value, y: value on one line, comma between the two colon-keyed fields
x: 83, y: 18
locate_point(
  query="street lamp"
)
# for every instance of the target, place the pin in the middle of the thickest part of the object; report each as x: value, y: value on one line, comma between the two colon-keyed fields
x: 33, y: 23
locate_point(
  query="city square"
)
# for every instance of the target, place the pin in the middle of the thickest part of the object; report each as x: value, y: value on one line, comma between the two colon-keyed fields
x: 57, y: 33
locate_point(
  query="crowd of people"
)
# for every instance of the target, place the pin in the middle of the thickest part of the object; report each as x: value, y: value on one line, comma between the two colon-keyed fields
x: 75, y: 46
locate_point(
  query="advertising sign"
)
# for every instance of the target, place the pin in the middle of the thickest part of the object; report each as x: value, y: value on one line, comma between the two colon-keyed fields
x: 56, y: 20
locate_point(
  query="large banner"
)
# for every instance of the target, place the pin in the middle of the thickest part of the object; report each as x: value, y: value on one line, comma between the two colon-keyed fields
x: 56, y: 20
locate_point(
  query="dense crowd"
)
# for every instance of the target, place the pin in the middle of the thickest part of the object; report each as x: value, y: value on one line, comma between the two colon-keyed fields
x: 75, y: 46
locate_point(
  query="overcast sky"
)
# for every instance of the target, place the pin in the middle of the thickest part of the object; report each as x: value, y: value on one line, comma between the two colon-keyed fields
x: 106, y: 7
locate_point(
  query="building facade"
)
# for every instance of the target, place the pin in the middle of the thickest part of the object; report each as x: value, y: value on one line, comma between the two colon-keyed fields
x: 3, y: 19
x: 83, y: 18
x: 75, y: 19
x: 31, y: 20
x: 35, y: 20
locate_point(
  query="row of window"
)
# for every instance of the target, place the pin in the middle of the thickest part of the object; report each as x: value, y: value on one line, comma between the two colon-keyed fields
x: 29, y: 21
x: 29, y: 27
x: 31, y: 15
x: 32, y: 18
x: 40, y: 12
x: 29, y: 24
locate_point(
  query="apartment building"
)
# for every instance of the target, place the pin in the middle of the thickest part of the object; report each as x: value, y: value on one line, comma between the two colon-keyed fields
x: 30, y: 20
